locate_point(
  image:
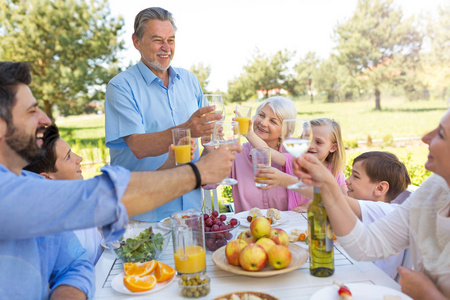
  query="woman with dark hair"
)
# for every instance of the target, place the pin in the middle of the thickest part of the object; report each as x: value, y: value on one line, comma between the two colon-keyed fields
x: 60, y: 163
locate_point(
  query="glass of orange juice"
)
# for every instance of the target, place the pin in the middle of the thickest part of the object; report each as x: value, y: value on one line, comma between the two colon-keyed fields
x: 261, y: 159
x: 182, y: 142
x: 188, y: 242
x: 242, y: 116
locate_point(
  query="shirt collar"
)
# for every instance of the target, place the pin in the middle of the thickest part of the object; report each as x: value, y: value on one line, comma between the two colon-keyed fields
x: 149, y: 76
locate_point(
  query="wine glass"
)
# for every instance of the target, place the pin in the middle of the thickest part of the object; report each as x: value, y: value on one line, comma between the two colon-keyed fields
x: 296, y: 135
x: 216, y: 100
x: 226, y: 133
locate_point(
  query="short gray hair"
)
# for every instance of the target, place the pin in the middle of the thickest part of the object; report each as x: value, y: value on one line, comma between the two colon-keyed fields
x: 151, y: 13
x: 283, y: 108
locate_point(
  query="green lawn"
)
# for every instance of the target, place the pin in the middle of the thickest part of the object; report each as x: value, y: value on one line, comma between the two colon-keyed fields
x: 358, y: 120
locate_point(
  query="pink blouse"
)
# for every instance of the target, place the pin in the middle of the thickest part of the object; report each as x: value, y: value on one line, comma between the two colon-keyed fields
x: 245, y: 194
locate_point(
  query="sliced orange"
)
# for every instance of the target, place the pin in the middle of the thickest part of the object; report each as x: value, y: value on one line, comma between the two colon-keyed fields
x: 139, y: 269
x: 139, y: 283
x: 163, y: 272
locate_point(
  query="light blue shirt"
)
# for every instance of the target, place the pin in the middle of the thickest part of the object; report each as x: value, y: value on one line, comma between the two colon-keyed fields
x: 38, y: 252
x: 138, y: 102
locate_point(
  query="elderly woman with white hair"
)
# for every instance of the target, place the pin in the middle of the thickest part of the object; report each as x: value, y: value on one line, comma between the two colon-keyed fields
x: 267, y: 124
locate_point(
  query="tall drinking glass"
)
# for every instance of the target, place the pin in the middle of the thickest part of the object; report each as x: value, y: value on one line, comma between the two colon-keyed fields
x: 226, y: 133
x: 216, y: 100
x: 243, y: 114
x: 297, y: 136
x: 182, y: 142
x: 188, y: 242
x: 260, y: 159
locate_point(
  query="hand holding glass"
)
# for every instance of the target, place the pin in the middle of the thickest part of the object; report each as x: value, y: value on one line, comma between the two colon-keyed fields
x: 242, y: 115
x: 297, y: 136
x: 226, y: 133
x: 182, y: 142
x: 216, y: 100
x: 260, y: 159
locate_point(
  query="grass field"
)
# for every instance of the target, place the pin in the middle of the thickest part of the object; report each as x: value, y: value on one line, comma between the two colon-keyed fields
x: 358, y: 120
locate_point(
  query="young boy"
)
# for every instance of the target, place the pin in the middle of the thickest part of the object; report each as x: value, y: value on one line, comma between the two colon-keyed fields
x: 377, y: 179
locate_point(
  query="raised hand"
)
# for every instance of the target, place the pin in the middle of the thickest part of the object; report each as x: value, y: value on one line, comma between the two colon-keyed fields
x: 199, y: 122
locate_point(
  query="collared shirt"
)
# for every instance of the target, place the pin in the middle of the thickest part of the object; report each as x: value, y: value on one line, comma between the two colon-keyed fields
x: 138, y: 102
x: 245, y: 193
x: 35, y: 255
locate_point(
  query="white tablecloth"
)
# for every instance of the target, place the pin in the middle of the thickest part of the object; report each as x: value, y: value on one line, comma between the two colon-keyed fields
x: 298, y: 284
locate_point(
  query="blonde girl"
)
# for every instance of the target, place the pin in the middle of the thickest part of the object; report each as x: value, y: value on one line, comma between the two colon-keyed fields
x: 326, y: 145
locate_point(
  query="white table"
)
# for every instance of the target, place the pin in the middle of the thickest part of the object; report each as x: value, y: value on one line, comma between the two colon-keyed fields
x: 298, y: 284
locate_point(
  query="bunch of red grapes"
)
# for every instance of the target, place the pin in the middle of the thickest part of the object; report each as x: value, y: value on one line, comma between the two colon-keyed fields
x: 217, y: 230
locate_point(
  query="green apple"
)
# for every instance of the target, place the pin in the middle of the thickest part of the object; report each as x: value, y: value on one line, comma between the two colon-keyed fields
x: 247, y: 236
x: 266, y: 243
x: 279, y: 257
x: 232, y: 251
x: 253, y: 257
x: 260, y: 227
x: 279, y: 236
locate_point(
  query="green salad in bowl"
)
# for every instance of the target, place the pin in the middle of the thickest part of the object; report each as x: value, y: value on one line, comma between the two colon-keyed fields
x: 142, y: 241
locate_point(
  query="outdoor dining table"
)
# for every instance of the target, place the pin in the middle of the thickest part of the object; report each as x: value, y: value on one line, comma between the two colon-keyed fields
x: 297, y: 284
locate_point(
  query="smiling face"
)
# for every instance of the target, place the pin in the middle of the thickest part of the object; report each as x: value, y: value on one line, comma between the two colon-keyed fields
x: 67, y: 163
x: 359, y: 185
x: 24, y: 137
x: 157, y: 46
x: 438, y: 141
x: 268, y: 127
x: 321, y: 144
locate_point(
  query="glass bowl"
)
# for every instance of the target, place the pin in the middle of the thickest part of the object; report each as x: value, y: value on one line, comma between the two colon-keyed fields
x: 194, y: 286
x: 142, y: 241
x: 216, y: 239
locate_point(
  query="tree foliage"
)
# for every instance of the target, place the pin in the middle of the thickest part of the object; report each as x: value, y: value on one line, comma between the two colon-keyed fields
x: 305, y: 70
x: 72, y: 46
x: 202, y: 74
x: 378, y: 45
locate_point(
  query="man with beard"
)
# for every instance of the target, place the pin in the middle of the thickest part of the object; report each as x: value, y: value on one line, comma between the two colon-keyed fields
x: 149, y: 99
x: 39, y: 256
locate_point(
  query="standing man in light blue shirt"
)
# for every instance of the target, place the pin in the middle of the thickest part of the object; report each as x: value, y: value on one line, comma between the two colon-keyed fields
x: 146, y: 101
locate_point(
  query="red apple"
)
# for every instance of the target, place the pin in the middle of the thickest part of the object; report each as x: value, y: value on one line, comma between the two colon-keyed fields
x: 247, y: 236
x: 253, y: 257
x: 279, y: 236
x: 260, y: 227
x: 266, y: 243
x: 232, y: 251
x: 279, y: 257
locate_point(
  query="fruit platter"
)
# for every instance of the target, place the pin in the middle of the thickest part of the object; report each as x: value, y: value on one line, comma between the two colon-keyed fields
x: 274, y: 216
x: 261, y: 251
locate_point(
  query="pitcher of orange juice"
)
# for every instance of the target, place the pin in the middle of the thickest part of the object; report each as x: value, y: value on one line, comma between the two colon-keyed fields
x: 188, y: 242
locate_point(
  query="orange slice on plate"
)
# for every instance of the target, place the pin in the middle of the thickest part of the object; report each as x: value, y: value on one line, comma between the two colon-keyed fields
x: 139, y: 269
x: 139, y: 283
x: 163, y: 272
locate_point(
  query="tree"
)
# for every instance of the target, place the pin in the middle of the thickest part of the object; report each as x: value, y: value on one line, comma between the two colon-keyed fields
x: 202, y: 74
x: 72, y: 46
x: 305, y: 69
x: 377, y: 44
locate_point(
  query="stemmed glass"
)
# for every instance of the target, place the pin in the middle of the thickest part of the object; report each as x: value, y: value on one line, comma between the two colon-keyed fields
x: 226, y: 133
x: 216, y: 100
x: 297, y: 136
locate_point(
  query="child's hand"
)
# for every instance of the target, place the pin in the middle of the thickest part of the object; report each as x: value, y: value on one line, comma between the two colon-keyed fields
x: 170, y: 161
x: 272, y: 177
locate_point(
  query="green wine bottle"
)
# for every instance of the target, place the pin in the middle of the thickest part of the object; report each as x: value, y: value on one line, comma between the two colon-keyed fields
x: 320, y: 239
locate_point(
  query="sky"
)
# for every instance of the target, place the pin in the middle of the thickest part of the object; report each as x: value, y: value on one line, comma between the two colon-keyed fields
x: 225, y: 34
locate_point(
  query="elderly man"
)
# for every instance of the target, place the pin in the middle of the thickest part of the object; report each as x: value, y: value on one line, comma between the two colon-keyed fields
x: 146, y: 101
x: 38, y: 256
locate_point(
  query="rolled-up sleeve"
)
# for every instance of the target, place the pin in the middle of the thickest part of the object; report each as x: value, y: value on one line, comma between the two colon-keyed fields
x: 32, y: 207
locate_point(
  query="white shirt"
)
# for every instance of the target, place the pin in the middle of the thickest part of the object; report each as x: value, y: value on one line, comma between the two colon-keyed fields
x: 372, y: 211
x: 421, y: 222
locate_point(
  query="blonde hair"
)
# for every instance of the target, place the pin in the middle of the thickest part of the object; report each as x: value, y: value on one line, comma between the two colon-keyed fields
x: 336, y: 158
x: 283, y: 108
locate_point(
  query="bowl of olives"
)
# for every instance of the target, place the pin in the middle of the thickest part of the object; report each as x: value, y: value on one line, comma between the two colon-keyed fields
x: 196, y: 286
